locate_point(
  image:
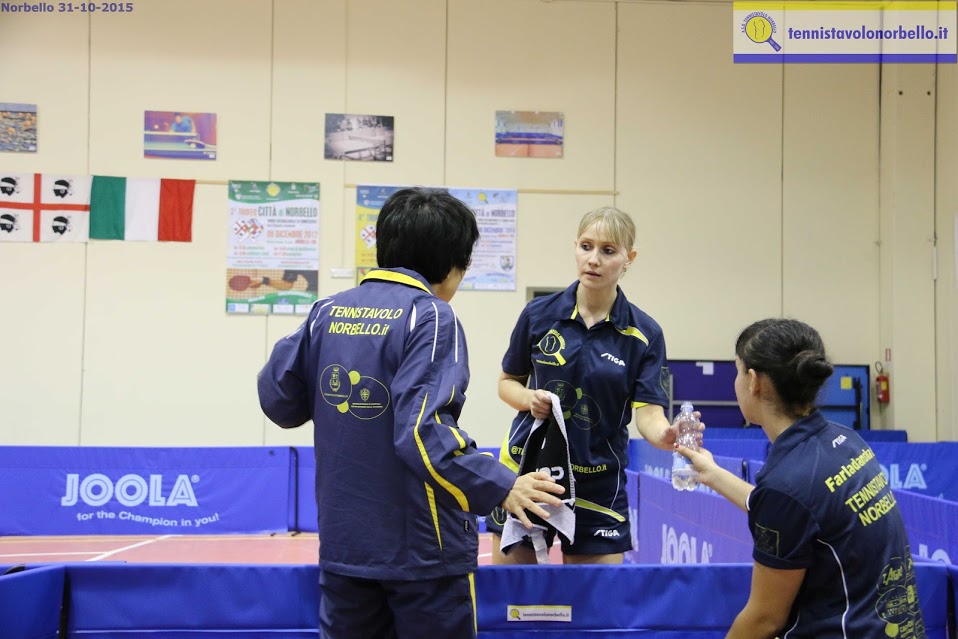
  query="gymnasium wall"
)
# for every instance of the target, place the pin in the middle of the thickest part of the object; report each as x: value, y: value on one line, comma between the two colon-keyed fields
x: 758, y: 190
x: 946, y: 226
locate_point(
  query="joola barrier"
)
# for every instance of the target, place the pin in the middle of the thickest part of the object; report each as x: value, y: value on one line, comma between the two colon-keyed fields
x: 924, y: 468
x: 30, y: 602
x: 688, y: 527
x: 690, y: 535
x: 51, y: 490
x: 170, y: 601
x: 699, y: 528
x: 932, y: 526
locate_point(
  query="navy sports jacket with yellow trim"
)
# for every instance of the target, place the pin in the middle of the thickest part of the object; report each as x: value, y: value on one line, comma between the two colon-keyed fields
x: 382, y: 371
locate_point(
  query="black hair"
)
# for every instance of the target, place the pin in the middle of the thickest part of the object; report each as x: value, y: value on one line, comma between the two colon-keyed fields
x: 792, y: 354
x: 427, y: 231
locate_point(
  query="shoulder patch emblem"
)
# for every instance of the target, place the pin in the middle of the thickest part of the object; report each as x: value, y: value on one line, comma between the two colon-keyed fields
x: 665, y: 380
x: 766, y: 540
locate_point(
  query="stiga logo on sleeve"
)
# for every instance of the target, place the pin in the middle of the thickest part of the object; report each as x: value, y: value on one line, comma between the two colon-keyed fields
x: 129, y: 490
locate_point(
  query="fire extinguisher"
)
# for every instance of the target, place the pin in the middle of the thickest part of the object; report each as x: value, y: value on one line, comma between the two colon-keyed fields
x: 882, y: 391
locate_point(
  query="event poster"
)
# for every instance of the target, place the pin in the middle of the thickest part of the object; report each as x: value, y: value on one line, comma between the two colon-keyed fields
x: 369, y: 201
x: 273, y: 255
x: 494, y: 257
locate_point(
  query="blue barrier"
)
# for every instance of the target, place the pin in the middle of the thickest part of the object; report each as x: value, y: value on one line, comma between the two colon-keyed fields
x: 928, y: 469
x: 681, y: 527
x: 632, y: 495
x: 741, y: 448
x: 647, y: 458
x: 169, y: 601
x: 933, y: 597
x: 953, y: 604
x: 609, y: 602
x: 304, y: 515
x: 756, y: 432
x: 900, y: 436
x: 51, y: 490
x: 753, y: 432
x: 160, y: 601
x: 643, y: 456
x: 932, y: 526
x: 651, y: 602
x: 30, y: 603
x: 652, y: 460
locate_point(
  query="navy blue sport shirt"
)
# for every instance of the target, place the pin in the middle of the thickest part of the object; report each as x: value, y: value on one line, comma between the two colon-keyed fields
x: 600, y: 374
x: 382, y: 371
x: 822, y: 503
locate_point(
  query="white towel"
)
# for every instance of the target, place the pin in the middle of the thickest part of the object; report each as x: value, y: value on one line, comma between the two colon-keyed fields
x: 546, y: 448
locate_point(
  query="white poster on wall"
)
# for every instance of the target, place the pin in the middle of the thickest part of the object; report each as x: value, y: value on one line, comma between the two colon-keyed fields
x: 493, y: 265
x: 272, y: 261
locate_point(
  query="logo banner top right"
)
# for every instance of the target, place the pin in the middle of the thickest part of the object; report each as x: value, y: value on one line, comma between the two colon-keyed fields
x: 854, y: 31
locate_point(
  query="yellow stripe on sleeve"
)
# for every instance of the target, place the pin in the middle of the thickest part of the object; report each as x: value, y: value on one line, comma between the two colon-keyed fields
x: 455, y: 433
x: 431, y: 498
x: 472, y: 594
x: 455, y: 492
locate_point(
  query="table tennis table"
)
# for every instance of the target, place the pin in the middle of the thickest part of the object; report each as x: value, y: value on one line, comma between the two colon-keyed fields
x: 354, y: 149
x: 176, y: 145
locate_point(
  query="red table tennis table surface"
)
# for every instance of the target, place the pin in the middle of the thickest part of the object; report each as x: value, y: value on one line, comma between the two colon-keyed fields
x: 280, y: 548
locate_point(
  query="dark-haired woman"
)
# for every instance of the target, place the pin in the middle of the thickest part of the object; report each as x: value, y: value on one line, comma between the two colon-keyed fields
x: 831, y: 555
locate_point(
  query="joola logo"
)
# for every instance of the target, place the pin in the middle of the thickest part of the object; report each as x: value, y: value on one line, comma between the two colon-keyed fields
x: 129, y: 490
x: 682, y: 549
x: 613, y: 359
x: 606, y: 533
x: 939, y: 555
x: 838, y: 441
x: 914, y: 477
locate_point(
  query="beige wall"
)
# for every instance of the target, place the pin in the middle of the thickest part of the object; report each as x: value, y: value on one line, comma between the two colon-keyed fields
x: 946, y: 231
x: 811, y: 191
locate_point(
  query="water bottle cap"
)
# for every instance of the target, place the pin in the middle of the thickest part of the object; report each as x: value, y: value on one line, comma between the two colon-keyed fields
x: 687, y: 407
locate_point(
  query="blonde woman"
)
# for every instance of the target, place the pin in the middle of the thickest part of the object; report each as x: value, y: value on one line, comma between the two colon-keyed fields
x: 605, y: 360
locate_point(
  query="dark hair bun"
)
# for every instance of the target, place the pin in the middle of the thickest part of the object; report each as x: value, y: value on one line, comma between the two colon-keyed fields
x: 812, y: 367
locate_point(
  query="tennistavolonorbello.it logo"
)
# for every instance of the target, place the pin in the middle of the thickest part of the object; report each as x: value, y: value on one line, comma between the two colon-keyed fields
x: 760, y: 27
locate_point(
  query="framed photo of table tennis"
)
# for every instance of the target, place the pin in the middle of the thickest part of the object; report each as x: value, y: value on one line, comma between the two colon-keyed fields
x: 18, y: 127
x: 530, y: 134
x: 364, y: 138
x: 179, y: 135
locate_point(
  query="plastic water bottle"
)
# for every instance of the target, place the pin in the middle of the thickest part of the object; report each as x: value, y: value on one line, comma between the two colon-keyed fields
x: 684, y: 475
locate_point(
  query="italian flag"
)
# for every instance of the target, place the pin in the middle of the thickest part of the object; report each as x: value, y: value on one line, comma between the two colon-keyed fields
x: 144, y: 209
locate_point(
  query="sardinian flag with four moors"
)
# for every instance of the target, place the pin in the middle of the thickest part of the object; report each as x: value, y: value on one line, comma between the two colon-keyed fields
x: 44, y: 207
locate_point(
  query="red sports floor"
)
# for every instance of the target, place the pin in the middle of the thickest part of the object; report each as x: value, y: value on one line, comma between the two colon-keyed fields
x: 282, y: 548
